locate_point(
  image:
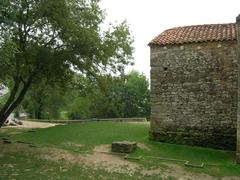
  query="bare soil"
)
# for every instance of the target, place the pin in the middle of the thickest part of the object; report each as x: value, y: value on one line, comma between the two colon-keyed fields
x: 70, y: 144
x: 143, y: 146
x: 143, y: 122
x: 98, y: 159
x: 101, y: 158
x: 32, y: 124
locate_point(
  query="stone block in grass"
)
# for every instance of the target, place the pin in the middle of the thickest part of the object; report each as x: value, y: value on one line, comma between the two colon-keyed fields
x: 124, y: 146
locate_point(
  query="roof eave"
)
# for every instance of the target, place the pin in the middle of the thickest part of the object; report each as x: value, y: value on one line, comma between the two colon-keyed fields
x: 152, y: 44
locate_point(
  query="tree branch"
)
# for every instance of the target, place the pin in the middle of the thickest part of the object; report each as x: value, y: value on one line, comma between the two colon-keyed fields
x: 20, y: 96
x: 54, y: 36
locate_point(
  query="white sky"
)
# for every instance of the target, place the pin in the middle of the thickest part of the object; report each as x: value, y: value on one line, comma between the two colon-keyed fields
x: 148, y: 18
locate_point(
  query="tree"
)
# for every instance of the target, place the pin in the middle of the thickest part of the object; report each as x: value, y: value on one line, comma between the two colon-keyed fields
x: 128, y: 96
x: 123, y: 96
x: 48, y: 40
x: 44, y: 101
x: 137, y: 95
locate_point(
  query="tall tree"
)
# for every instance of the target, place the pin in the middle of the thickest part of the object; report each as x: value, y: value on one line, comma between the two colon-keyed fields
x: 122, y: 96
x: 127, y: 96
x: 44, y: 101
x: 49, y: 39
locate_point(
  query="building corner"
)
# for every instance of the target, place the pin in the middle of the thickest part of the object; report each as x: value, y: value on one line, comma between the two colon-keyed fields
x: 238, y: 101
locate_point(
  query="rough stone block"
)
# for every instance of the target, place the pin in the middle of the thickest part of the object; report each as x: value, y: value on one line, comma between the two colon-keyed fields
x: 124, y: 146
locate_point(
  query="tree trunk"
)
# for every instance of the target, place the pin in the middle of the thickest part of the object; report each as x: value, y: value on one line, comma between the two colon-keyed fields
x: 14, y: 101
x: 3, y: 118
x: 4, y: 114
x: 38, y: 113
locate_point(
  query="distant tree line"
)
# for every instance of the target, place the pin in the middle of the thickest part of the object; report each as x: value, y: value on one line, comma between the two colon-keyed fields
x: 106, y: 97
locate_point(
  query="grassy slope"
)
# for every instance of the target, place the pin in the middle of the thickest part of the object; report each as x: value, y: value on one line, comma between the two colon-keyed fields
x: 97, y: 133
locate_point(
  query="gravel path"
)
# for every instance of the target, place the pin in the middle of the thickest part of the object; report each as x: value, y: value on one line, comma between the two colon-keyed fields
x: 32, y: 124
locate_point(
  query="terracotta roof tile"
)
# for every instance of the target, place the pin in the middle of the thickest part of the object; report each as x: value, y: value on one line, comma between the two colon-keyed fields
x: 198, y: 33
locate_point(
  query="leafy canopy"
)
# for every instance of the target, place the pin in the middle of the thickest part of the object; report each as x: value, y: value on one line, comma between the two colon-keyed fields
x: 52, y: 37
x: 126, y: 96
x: 50, y: 40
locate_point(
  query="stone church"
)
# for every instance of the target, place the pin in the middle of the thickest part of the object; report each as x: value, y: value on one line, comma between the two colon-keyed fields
x: 194, y: 86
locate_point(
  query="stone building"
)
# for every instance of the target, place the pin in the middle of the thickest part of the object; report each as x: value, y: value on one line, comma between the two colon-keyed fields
x: 194, y: 85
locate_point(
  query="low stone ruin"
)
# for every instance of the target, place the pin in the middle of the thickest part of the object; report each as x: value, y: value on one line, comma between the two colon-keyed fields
x: 12, y: 121
x: 124, y: 146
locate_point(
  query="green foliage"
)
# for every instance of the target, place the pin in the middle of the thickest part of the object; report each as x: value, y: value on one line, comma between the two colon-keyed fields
x: 111, y: 97
x: 80, y: 108
x: 44, y: 101
x: 49, y: 40
x: 138, y: 95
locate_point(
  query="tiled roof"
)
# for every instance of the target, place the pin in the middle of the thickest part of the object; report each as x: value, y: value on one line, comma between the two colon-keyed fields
x: 199, y: 33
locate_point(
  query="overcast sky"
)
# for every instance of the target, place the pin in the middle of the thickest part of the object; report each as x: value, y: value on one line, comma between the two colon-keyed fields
x: 148, y: 18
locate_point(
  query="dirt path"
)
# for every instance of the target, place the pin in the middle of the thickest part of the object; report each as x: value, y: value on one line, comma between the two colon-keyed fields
x: 32, y: 124
x: 144, y: 123
x: 115, y: 163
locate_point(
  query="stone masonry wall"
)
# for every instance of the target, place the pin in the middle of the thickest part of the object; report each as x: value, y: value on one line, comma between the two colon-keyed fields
x: 194, y: 94
x: 238, y: 111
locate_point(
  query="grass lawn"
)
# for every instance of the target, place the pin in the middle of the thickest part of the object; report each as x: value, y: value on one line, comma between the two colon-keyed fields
x: 77, y: 141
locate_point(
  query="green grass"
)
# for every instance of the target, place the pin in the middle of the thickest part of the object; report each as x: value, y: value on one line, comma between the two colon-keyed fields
x: 97, y: 133
x: 89, y: 134
x: 30, y: 167
x: 64, y: 115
